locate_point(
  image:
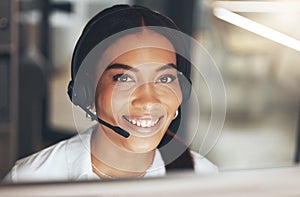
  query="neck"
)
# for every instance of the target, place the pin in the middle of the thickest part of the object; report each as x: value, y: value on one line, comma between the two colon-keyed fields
x: 115, y: 161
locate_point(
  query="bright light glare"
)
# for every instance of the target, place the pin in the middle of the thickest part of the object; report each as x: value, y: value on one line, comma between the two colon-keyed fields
x: 259, y: 6
x: 256, y: 28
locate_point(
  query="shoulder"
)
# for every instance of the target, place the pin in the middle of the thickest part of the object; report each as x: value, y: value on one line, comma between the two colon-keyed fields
x: 49, y: 164
x: 36, y: 167
x: 203, y: 165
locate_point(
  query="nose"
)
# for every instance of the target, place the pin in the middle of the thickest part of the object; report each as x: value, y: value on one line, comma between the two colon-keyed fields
x: 145, y: 96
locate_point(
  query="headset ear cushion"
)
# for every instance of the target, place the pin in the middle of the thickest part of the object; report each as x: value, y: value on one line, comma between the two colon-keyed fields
x: 185, y: 85
x: 81, y: 93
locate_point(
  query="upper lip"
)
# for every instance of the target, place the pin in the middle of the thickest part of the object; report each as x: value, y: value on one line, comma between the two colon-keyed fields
x: 143, y: 121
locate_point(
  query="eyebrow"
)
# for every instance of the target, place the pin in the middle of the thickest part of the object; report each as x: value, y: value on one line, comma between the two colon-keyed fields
x: 121, y: 66
x: 167, y: 66
x: 127, y: 67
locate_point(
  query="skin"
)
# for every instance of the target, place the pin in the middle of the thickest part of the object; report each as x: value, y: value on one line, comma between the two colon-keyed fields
x: 140, y: 85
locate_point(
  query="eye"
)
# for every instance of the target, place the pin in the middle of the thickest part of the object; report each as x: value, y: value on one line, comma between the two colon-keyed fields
x: 122, y: 78
x: 166, y: 78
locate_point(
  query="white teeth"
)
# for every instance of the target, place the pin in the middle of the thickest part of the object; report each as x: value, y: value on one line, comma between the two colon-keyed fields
x: 143, y: 123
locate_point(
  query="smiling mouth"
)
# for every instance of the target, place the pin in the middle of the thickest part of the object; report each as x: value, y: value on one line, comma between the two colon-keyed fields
x: 145, y: 122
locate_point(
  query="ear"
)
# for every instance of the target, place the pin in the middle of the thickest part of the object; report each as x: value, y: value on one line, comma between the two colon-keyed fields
x: 81, y: 92
x: 176, y: 122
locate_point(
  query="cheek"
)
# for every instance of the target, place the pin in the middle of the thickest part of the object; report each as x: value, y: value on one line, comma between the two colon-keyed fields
x: 110, y: 99
x: 103, y: 100
x: 120, y: 98
x: 172, y: 96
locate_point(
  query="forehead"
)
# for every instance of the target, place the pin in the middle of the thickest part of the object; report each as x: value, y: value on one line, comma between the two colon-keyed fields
x: 146, y: 56
x: 139, y: 48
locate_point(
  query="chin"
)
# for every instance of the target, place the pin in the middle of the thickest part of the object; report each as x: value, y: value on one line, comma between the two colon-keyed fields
x: 142, y: 146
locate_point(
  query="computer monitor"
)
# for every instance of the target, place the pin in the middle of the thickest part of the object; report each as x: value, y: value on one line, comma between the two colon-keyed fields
x: 261, y: 182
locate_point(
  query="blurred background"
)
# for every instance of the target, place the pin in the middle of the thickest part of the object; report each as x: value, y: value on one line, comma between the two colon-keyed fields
x: 255, y: 44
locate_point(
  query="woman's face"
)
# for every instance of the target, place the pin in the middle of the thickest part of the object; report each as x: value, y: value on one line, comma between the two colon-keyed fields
x: 139, y: 90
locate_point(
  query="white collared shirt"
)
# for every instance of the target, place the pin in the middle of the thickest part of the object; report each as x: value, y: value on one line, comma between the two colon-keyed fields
x: 70, y: 160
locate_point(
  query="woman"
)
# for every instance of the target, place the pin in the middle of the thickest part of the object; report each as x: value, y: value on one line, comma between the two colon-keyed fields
x: 136, y: 82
